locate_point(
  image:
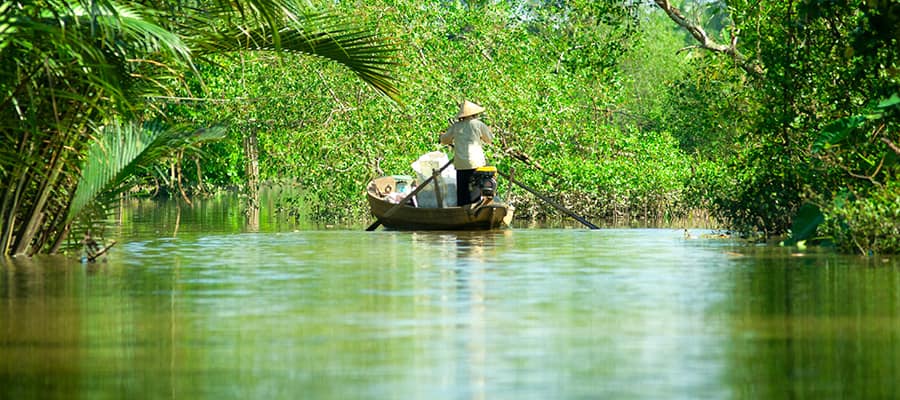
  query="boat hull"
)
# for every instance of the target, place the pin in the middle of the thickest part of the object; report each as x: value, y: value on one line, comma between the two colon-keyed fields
x: 490, y: 215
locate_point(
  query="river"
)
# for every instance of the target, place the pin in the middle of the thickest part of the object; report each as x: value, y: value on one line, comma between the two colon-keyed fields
x: 196, y: 307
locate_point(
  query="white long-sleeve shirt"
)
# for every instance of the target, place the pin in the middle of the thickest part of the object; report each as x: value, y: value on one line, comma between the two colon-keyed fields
x: 467, y: 137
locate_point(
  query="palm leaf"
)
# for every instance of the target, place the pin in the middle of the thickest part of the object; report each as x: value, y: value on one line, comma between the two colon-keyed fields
x: 322, y: 35
x: 122, y: 150
x: 129, y: 27
x: 805, y: 223
x: 67, y: 65
x: 100, y: 47
x: 7, y: 25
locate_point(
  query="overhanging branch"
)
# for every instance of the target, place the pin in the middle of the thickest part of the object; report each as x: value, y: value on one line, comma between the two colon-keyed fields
x: 751, y: 67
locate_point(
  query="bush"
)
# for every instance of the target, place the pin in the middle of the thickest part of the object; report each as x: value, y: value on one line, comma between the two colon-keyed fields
x: 870, y: 224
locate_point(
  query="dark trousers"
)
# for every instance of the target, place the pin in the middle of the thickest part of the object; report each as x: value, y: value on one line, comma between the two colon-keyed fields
x: 465, y: 192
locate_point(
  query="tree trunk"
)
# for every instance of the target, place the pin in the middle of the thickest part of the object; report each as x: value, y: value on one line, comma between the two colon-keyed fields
x: 13, y: 192
x: 184, y: 195
x: 11, y: 208
x: 62, y: 231
x: 251, y: 151
x: 199, y: 173
x: 31, y: 227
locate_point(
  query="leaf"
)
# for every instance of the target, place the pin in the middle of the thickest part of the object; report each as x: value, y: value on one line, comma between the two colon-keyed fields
x: 837, y: 131
x: 805, y: 223
x: 892, y: 101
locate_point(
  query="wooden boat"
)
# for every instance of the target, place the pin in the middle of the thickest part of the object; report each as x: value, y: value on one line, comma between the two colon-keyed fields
x: 490, y: 213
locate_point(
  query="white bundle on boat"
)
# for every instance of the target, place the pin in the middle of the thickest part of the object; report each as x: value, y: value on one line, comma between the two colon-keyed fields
x: 424, y: 166
x: 395, y: 197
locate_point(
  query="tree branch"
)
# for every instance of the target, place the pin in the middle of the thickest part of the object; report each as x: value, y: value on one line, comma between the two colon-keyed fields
x: 891, y: 144
x: 751, y: 67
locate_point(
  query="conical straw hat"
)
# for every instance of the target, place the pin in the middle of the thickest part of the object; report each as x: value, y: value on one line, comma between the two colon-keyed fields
x: 468, y: 108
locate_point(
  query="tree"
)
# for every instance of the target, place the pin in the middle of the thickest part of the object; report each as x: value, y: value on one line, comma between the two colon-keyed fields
x: 70, y: 69
x: 823, y: 75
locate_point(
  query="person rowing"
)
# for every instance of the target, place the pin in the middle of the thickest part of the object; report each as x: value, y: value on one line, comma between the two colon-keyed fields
x: 467, y: 136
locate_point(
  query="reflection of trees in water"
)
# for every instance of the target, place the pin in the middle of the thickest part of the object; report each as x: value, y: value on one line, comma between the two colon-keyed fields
x: 64, y: 325
x: 814, y: 325
x: 41, y: 337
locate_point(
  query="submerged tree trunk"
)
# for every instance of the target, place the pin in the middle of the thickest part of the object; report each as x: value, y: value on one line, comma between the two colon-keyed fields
x: 251, y: 151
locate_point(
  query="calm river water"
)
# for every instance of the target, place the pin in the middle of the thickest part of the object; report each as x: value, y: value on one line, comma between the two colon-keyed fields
x: 200, y: 309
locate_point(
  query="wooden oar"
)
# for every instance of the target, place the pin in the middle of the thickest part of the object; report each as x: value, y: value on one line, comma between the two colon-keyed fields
x: 549, y: 201
x: 397, y: 206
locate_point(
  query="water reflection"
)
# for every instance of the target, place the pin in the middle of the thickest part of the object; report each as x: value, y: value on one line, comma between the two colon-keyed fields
x: 40, y: 324
x: 463, y: 259
x: 562, y: 313
x: 822, y: 326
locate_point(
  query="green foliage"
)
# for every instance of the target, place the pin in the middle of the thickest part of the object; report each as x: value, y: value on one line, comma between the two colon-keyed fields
x: 865, y: 146
x: 835, y: 132
x: 69, y: 66
x: 320, y: 34
x: 805, y: 224
x: 705, y: 106
x: 761, y: 193
x: 672, y: 86
x: 868, y: 225
x: 610, y: 174
x: 621, y: 110
x: 810, y: 136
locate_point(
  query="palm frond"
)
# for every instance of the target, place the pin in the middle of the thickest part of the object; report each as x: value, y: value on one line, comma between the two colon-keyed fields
x: 121, y: 50
x: 69, y: 65
x: 121, y: 27
x: 122, y: 150
x: 7, y: 25
x: 363, y: 52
